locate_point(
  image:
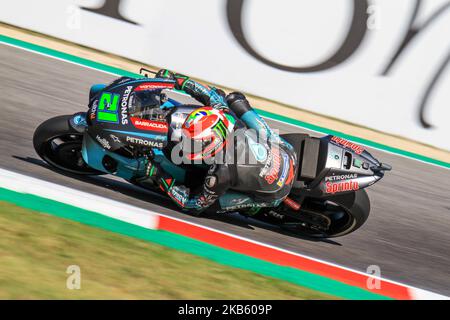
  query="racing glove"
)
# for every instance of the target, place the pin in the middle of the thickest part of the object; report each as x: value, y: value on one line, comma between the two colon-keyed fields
x: 178, y: 78
x: 213, y: 97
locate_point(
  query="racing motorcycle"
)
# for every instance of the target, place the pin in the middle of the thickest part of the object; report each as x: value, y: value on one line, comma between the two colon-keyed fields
x: 327, y: 198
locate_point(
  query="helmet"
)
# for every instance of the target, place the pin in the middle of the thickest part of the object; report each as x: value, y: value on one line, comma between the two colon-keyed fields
x: 146, y: 104
x: 205, y: 132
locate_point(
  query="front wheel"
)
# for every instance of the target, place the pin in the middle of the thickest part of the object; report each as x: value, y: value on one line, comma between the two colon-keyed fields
x: 58, y: 144
x: 331, y: 217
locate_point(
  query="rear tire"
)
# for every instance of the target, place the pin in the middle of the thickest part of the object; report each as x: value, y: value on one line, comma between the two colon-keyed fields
x: 346, y: 213
x: 58, y: 144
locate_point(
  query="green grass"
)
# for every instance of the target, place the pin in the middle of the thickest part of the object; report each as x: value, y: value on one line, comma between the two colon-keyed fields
x: 36, y: 249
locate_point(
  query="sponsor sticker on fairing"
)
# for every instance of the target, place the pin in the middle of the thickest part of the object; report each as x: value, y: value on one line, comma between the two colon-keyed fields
x: 115, y: 138
x: 154, y: 86
x: 341, y: 177
x: 353, y: 146
x: 334, y: 187
x: 105, y: 144
x: 150, y: 125
x: 94, y: 110
x: 124, y: 105
x: 145, y: 142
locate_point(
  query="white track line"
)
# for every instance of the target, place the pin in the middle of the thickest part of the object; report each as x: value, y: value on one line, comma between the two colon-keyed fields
x: 114, y: 209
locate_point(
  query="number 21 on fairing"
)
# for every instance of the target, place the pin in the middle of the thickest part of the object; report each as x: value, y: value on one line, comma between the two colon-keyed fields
x: 108, y: 108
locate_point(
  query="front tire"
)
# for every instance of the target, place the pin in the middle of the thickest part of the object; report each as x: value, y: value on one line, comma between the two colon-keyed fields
x: 58, y: 144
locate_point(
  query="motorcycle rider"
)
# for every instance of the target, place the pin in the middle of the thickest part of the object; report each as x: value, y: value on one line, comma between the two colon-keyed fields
x: 257, y: 168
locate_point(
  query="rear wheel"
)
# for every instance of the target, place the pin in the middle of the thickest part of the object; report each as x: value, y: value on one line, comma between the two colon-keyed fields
x: 331, y: 217
x: 58, y: 144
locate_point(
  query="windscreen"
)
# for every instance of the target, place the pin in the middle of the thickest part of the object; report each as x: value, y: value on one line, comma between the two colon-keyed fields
x: 146, y: 105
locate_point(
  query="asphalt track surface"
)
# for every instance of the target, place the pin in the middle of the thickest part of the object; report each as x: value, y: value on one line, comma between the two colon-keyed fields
x: 407, y: 234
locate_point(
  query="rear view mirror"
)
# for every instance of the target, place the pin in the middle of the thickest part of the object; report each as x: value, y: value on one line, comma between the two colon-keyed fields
x: 145, y: 72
